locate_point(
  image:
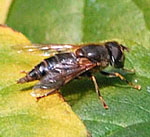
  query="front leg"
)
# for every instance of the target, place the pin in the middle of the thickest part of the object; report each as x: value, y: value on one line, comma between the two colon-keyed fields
x: 97, y: 89
x: 115, y: 74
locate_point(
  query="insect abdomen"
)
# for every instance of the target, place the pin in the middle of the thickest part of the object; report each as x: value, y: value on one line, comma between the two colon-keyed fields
x: 39, y: 71
x: 48, y: 65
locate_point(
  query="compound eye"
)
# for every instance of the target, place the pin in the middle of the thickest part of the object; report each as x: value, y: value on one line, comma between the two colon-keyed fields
x: 79, y: 53
x: 112, y: 62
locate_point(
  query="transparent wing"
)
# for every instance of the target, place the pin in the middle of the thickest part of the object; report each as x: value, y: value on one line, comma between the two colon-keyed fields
x: 53, y: 81
x: 42, y: 92
x: 48, y: 49
x: 47, y: 84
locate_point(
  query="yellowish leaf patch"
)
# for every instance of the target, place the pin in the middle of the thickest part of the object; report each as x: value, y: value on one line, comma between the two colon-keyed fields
x: 21, y: 114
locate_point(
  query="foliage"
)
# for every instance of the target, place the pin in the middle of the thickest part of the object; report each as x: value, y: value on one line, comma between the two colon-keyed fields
x: 75, y: 22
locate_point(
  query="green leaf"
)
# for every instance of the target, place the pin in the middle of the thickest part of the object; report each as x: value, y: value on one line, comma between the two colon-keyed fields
x: 134, y: 130
x: 92, y: 21
x: 20, y: 114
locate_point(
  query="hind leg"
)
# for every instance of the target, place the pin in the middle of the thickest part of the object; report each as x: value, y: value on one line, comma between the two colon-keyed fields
x: 115, y: 74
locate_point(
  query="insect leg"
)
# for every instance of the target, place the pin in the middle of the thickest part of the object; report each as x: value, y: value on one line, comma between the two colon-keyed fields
x: 128, y: 70
x: 115, y: 74
x: 98, y: 91
x: 25, y: 72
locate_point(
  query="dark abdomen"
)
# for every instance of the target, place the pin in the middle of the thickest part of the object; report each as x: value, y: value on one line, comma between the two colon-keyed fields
x: 58, y: 64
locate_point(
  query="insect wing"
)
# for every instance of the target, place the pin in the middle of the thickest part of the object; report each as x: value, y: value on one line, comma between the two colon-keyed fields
x: 52, y: 82
x: 84, y: 66
x: 47, y: 84
x: 41, y: 92
x: 50, y: 49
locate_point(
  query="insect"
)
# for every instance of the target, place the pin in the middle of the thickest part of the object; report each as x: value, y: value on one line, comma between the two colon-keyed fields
x: 59, y: 69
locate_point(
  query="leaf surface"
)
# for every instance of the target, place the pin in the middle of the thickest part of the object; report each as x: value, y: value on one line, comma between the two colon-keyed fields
x: 20, y: 114
x: 92, y: 21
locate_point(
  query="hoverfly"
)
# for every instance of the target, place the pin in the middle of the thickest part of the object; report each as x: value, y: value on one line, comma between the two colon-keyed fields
x: 59, y: 69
